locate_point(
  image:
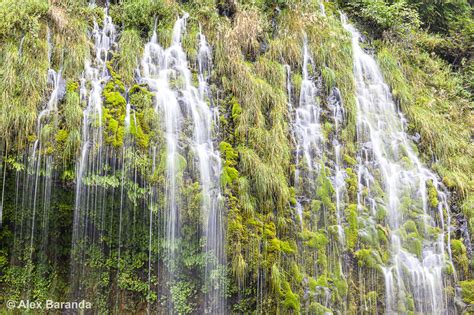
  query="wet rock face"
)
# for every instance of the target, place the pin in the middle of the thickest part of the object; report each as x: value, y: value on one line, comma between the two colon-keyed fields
x: 244, y: 157
x: 227, y: 7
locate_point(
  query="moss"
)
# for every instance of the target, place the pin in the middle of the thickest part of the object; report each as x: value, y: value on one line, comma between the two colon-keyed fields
x: 291, y: 300
x: 316, y: 205
x: 349, y: 160
x: 381, y: 213
x: 367, y: 258
x: 312, y: 284
x: 229, y: 175
x: 382, y: 234
x: 329, y: 78
x: 296, y: 275
x: 140, y: 97
x: 269, y: 230
x: 325, y: 190
x: 318, y: 309
x: 293, y: 200
x: 114, y: 99
x: 414, y: 244
x: 276, y: 279
x: 459, y: 253
x: 287, y: 248
x: 276, y: 245
x: 141, y: 137
x: 341, y: 286
x: 432, y: 194
x: 317, y: 240
x: 467, y: 291
x: 322, y: 281
x: 410, y: 227
x: 327, y: 129
x: 351, y: 181
x: 352, y: 230
x: 230, y: 156
x: 61, y: 135
x: 72, y: 86
x: 236, y: 111
x: 114, y: 110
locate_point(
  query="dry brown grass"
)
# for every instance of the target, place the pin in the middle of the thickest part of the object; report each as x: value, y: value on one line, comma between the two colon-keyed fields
x: 59, y: 17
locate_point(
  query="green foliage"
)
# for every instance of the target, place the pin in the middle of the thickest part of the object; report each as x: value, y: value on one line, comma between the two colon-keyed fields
x: 140, y: 14
x: 144, y: 126
x: 460, y: 256
x: 114, y: 112
x: 380, y: 16
x: 318, y: 309
x: 453, y: 20
x: 22, y: 86
x: 428, y: 91
x: 325, y: 190
x: 20, y: 17
x: 130, y: 51
x: 467, y: 291
x: 229, y: 173
x: 432, y: 195
x: 236, y: 111
x: 291, y: 300
x: 181, y: 293
x: 367, y: 258
x: 315, y: 240
x: 353, y: 228
x: 267, y: 245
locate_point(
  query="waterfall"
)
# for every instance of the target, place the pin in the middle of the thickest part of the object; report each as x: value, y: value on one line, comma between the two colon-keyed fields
x: 179, y: 101
x: 38, y: 180
x: 414, y: 273
x: 210, y: 169
x: 322, y: 8
x: 307, y: 133
x: 160, y: 69
x: 89, y: 210
x: 40, y: 163
x: 339, y: 184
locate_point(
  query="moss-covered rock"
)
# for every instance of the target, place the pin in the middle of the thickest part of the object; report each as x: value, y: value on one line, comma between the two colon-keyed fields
x: 467, y: 291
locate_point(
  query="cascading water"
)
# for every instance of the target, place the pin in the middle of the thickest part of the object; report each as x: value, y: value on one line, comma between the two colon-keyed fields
x: 322, y: 8
x: 210, y: 170
x: 37, y: 188
x: 160, y: 68
x: 307, y: 133
x: 335, y: 104
x: 89, y: 204
x: 40, y: 164
x: 310, y: 176
x: 166, y: 72
x: 414, y: 274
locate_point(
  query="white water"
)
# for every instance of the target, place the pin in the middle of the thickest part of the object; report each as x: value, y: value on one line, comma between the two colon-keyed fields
x: 339, y: 175
x: 210, y: 170
x: 89, y: 207
x: 322, y: 8
x: 387, y: 155
x: 160, y: 69
x: 307, y: 132
x: 38, y: 186
x: 167, y: 73
x: 40, y: 165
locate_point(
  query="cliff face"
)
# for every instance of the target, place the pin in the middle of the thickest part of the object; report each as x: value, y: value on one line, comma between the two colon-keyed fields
x: 237, y: 156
